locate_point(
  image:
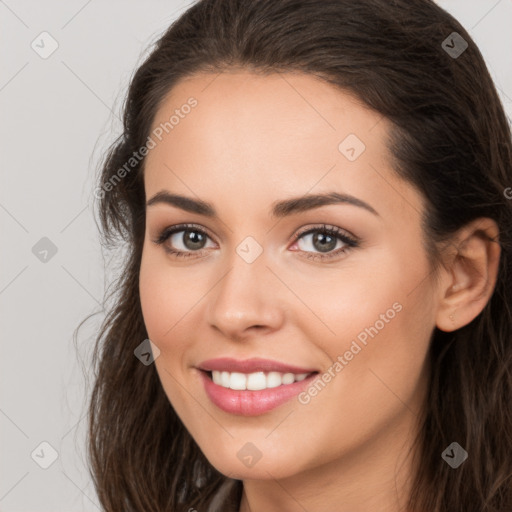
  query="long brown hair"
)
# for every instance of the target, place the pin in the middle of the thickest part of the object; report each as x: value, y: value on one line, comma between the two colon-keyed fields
x: 450, y: 138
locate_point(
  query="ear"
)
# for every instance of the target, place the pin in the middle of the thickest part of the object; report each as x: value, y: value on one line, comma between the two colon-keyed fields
x: 470, y: 273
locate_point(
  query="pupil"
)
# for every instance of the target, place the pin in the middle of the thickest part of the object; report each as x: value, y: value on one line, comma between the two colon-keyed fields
x: 193, y: 240
x: 324, y: 247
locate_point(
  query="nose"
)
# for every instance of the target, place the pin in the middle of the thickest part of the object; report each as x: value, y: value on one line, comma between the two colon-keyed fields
x: 246, y: 301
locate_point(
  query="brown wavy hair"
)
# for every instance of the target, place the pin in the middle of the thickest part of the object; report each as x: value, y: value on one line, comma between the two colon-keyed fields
x: 450, y: 138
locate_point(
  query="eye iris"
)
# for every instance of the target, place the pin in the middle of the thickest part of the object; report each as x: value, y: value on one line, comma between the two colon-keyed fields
x: 193, y: 240
x: 324, y: 246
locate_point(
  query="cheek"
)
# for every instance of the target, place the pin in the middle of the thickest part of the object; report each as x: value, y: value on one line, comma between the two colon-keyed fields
x: 154, y: 301
x: 376, y: 324
x: 164, y: 305
x: 355, y: 316
x: 379, y: 294
x: 162, y: 308
x: 164, y: 295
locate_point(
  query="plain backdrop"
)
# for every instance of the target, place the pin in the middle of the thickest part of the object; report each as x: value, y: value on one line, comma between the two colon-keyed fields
x: 58, y: 115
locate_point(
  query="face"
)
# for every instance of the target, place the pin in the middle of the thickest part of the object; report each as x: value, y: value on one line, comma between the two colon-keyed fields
x: 322, y: 308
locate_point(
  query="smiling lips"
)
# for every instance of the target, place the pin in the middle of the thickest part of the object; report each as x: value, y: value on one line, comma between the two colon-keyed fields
x: 253, y: 386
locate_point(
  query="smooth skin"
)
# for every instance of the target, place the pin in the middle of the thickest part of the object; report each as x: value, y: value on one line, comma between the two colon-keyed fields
x: 253, y: 140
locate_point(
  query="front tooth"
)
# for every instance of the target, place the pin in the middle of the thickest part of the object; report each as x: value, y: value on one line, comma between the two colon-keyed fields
x: 301, y: 376
x: 237, y: 381
x: 256, y: 381
x: 274, y: 379
x: 216, y: 377
x: 224, y: 379
x: 288, y: 378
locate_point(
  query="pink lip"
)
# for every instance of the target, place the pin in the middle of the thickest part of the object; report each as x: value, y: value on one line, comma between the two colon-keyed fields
x: 228, y: 364
x: 252, y: 403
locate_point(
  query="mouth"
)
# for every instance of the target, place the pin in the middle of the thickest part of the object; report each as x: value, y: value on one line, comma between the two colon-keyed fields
x: 255, y: 381
x: 253, y: 394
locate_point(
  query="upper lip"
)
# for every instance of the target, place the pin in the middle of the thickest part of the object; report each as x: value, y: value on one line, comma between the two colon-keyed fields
x: 256, y: 364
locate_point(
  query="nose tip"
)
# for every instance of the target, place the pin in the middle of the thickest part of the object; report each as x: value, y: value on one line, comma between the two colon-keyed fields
x: 240, y: 331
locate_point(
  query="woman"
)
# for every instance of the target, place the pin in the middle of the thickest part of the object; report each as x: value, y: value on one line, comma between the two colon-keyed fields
x: 313, y: 199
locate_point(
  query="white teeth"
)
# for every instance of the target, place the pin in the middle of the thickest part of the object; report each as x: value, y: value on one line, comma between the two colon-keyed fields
x: 237, y: 380
x: 288, y: 378
x: 255, y: 381
x: 224, y: 379
x: 274, y: 379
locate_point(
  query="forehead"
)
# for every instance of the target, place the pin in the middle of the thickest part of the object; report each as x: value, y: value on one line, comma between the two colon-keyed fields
x: 283, y: 132
x: 295, y: 106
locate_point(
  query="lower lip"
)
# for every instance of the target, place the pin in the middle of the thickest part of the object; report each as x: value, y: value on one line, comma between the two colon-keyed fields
x: 252, y: 403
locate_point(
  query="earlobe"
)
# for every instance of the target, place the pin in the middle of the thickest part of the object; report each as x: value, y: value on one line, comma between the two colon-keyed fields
x: 470, y: 275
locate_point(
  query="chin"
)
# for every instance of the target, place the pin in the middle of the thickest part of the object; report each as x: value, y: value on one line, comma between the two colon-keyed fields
x: 237, y: 463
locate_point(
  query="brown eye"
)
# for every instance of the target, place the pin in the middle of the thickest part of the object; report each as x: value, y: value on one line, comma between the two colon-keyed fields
x: 321, y: 242
x: 324, y: 242
x: 190, y: 239
x: 184, y: 240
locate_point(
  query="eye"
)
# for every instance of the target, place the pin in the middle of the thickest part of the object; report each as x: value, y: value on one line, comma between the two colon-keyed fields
x: 186, y: 239
x: 325, y: 239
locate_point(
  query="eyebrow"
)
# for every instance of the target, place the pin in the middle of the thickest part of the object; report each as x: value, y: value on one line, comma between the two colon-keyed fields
x: 279, y: 208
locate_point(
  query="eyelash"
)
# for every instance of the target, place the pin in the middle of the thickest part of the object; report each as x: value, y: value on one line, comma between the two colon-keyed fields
x: 350, y: 242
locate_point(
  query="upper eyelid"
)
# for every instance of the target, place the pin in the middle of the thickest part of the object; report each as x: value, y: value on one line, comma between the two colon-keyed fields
x: 188, y: 227
x: 326, y: 227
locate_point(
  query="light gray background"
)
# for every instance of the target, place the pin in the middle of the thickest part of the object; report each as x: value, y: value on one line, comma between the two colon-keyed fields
x: 57, y: 117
